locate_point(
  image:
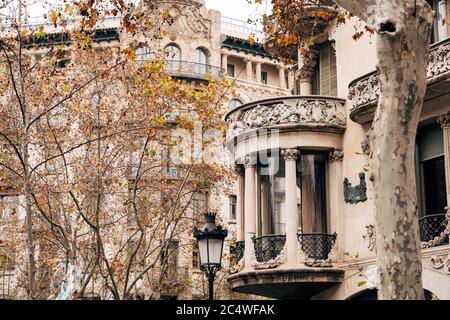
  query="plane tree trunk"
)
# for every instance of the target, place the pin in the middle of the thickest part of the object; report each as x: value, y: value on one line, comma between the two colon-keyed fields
x: 403, y: 41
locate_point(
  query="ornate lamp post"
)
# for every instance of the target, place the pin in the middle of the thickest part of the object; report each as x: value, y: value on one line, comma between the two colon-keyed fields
x: 210, y: 244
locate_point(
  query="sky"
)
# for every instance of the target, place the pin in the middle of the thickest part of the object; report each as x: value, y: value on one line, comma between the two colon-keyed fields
x: 238, y: 9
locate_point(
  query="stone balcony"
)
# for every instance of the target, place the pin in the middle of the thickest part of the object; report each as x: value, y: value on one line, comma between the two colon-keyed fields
x: 269, y: 276
x: 302, y: 113
x: 194, y: 70
x: 364, y: 91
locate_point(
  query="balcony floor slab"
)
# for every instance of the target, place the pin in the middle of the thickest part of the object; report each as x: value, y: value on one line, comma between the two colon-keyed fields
x: 286, y: 283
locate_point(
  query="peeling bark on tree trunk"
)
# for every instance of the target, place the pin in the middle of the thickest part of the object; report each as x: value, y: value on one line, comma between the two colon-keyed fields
x: 404, y: 29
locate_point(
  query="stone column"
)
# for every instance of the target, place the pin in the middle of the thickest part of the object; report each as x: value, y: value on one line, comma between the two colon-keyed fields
x: 224, y: 62
x: 249, y: 70
x: 291, y: 80
x: 281, y: 77
x: 444, y: 11
x: 290, y: 156
x: 306, y: 71
x: 258, y: 72
x: 240, y: 232
x: 444, y: 121
x: 336, y: 193
x: 250, y: 209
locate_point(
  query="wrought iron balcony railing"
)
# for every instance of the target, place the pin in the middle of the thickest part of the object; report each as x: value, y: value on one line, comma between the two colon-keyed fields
x: 187, y: 69
x: 240, y: 248
x: 317, y: 246
x: 432, y: 226
x: 268, y: 247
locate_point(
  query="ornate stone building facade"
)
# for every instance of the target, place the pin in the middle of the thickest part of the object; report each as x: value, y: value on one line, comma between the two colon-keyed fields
x: 306, y: 226
x: 202, y: 46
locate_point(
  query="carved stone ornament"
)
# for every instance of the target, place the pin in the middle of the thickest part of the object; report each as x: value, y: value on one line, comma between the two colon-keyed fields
x: 307, y: 111
x: 249, y: 161
x: 336, y: 155
x: 441, y: 262
x: 365, y: 147
x: 290, y: 154
x: 444, y: 121
x: 370, y: 237
x: 187, y: 16
x: 238, y: 267
x: 356, y: 194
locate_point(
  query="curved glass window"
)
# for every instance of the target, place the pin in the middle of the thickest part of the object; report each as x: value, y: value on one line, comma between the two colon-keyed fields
x: 173, y: 58
x: 310, y: 194
x: 142, y: 53
x: 201, y: 60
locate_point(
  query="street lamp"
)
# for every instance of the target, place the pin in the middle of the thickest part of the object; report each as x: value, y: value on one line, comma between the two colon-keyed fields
x: 210, y: 244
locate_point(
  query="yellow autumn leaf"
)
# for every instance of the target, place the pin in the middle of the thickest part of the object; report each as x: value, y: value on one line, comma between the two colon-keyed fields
x: 54, y: 17
x: 66, y: 89
x: 40, y: 33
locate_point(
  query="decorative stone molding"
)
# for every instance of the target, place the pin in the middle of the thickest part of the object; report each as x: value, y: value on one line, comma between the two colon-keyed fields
x: 370, y: 237
x: 249, y: 161
x: 306, y: 112
x: 336, y: 155
x: 444, y: 121
x: 365, y: 147
x: 290, y: 154
x: 356, y: 194
x: 238, y: 267
x: 441, y: 262
x: 365, y: 91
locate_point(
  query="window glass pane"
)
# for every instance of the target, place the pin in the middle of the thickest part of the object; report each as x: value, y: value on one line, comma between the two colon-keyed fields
x: 201, y: 59
x: 233, y: 202
x: 264, y: 77
x: 325, y: 78
x: 272, y: 197
x: 311, y: 170
x: 173, y: 58
x: 434, y: 185
x: 230, y: 70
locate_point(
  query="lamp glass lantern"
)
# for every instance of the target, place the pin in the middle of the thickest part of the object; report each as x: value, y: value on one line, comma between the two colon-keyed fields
x: 210, y: 240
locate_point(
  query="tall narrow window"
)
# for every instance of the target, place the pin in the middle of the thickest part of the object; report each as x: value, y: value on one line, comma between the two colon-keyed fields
x: 431, y: 170
x: 201, y: 61
x: 173, y: 54
x: 311, y: 176
x: 263, y: 77
x: 437, y: 33
x: 230, y: 70
x: 325, y: 77
x: 233, y: 203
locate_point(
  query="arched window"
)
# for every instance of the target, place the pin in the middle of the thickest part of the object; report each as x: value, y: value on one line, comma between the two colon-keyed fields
x: 201, y: 60
x: 234, y: 103
x: 173, y: 54
x: 142, y: 53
